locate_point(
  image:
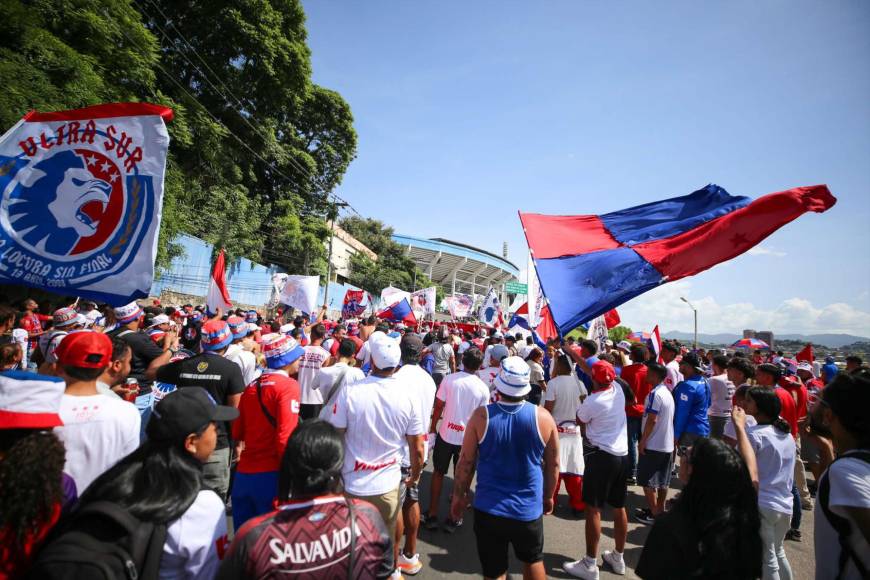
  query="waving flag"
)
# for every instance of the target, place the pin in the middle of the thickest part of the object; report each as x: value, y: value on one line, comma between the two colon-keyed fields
x: 489, y: 311
x: 423, y: 302
x: 611, y: 318
x: 806, y: 354
x: 353, y: 304
x: 399, y: 312
x: 82, y: 192
x: 301, y: 292
x: 588, y: 264
x: 656, y: 340
x: 218, y: 295
x: 459, y: 305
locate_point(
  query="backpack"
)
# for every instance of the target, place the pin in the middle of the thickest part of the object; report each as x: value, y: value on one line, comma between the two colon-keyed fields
x: 101, y: 541
x: 841, y: 525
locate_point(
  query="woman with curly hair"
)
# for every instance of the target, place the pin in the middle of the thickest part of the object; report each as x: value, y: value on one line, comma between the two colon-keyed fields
x: 712, y: 530
x: 33, y: 488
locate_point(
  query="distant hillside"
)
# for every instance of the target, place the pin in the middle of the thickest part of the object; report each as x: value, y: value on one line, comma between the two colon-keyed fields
x: 829, y: 340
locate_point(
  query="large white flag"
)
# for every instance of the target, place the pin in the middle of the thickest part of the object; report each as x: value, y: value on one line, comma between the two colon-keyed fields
x: 390, y: 295
x: 423, y: 302
x: 459, y: 305
x: 82, y: 193
x: 489, y: 310
x: 301, y: 292
x: 598, y: 332
x: 535, y: 295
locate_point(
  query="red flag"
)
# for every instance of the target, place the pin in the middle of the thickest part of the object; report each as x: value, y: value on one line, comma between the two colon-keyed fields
x: 656, y: 339
x: 546, y: 330
x: 611, y: 318
x: 806, y: 354
x: 218, y: 295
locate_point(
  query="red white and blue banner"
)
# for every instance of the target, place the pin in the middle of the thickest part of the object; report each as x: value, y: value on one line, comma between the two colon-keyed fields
x: 588, y: 264
x: 459, y: 305
x: 399, y: 312
x: 353, y: 304
x: 423, y: 302
x: 82, y: 192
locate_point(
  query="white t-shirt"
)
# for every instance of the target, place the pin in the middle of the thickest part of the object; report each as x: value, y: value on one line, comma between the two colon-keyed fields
x: 674, y: 376
x: 195, y: 542
x: 487, y: 375
x: 849, y: 479
x: 19, y: 336
x: 442, y: 351
x: 309, y: 367
x: 536, y: 372
x: 461, y: 394
x: 775, y: 456
x: 565, y: 392
x: 246, y: 360
x: 97, y: 431
x: 660, y: 403
x: 378, y: 413
x: 729, y: 427
x: 327, y: 376
x: 421, y: 387
x: 603, y: 412
x: 721, y: 393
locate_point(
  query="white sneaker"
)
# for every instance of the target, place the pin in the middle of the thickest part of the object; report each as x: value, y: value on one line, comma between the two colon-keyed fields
x: 409, y: 566
x: 614, y: 559
x: 582, y: 569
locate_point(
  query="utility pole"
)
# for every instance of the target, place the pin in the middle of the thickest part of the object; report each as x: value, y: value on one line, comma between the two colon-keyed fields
x: 332, y: 215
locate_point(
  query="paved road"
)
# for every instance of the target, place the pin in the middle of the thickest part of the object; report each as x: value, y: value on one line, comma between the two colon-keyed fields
x: 455, y: 556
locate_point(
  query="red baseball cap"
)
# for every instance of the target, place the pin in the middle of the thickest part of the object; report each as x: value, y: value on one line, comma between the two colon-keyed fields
x: 603, y: 373
x: 85, y: 350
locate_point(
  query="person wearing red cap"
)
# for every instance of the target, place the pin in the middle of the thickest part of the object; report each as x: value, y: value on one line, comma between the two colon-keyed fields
x: 97, y: 430
x: 31, y: 460
x: 604, y: 479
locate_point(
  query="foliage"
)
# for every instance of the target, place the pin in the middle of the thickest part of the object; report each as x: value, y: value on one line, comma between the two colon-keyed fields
x: 392, y: 267
x: 618, y: 333
x: 256, y: 146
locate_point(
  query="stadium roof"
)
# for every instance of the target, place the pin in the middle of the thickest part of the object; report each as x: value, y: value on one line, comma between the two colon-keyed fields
x: 458, y: 267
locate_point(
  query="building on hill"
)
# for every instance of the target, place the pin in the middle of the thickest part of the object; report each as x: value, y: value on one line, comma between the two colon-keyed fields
x: 344, y: 246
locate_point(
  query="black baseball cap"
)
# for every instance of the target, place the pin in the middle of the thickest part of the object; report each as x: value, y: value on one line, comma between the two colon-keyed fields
x: 412, y: 345
x: 184, y: 411
x: 691, y: 359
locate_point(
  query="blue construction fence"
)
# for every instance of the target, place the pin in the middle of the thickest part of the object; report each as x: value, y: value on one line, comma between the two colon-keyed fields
x: 248, y: 282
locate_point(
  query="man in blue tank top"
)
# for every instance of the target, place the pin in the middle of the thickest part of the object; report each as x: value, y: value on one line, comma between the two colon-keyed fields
x: 514, y: 446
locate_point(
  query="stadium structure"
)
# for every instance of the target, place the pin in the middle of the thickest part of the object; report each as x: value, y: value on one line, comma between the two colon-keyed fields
x: 459, y: 268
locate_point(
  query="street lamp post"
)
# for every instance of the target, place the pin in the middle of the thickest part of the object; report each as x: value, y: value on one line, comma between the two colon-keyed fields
x: 695, y: 311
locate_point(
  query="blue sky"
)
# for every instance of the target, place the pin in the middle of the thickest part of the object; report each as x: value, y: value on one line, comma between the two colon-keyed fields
x: 470, y: 111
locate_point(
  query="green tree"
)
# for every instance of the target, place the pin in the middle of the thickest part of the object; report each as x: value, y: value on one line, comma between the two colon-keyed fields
x: 618, y: 333
x: 392, y: 267
x: 255, y: 144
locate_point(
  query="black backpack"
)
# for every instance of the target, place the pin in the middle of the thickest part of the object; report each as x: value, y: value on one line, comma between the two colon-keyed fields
x: 841, y: 525
x: 101, y: 541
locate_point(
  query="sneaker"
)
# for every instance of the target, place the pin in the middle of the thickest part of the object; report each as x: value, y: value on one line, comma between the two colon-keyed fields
x: 807, y: 506
x: 583, y: 568
x: 410, y: 566
x: 429, y: 522
x: 644, y: 516
x: 793, y: 535
x: 396, y: 575
x: 615, y: 561
x: 450, y: 526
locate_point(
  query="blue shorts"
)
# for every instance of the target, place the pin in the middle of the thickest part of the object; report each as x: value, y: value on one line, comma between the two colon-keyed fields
x: 253, y: 495
x: 654, y: 469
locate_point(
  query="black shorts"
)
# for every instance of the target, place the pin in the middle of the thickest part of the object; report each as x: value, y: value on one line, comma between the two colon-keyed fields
x: 442, y: 455
x: 494, y: 533
x: 604, y: 478
x: 654, y: 469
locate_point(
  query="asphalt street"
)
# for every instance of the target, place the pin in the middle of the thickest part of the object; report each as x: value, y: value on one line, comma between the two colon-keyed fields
x: 455, y: 555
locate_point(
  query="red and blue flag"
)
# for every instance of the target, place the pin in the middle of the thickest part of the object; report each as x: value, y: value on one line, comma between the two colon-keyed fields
x: 399, y: 312
x: 588, y: 264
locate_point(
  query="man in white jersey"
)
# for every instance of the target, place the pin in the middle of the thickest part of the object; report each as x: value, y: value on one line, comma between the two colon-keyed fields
x: 333, y: 379
x: 98, y: 430
x: 315, y: 358
x: 421, y: 387
x: 656, y: 446
x: 669, y: 353
x: 377, y: 416
x: 459, y: 395
x: 237, y: 353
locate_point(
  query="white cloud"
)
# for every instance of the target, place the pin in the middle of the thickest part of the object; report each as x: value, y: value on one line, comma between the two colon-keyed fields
x: 663, y: 306
x: 765, y: 251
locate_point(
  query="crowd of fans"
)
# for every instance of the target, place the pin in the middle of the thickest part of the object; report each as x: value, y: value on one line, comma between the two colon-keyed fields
x: 128, y: 434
